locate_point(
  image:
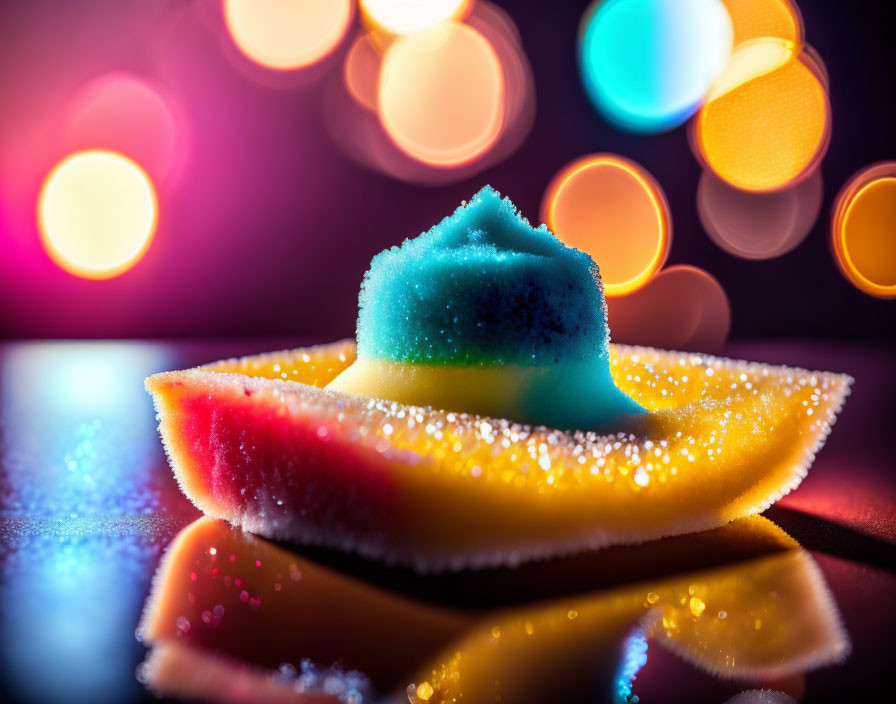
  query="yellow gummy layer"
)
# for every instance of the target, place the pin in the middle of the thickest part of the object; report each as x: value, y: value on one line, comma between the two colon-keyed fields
x: 578, y: 395
x: 483, y: 390
x: 725, y: 439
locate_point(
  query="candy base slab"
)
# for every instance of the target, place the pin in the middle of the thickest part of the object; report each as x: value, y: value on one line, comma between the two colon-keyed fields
x: 257, y: 442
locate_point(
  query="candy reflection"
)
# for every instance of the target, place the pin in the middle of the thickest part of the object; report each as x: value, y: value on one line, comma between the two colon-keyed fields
x: 287, y: 34
x: 131, y: 115
x: 864, y: 230
x: 766, y: 123
x: 761, y: 696
x: 197, y: 675
x: 612, y: 209
x: 210, y: 641
x: 441, y: 94
x: 648, y: 64
x: 405, y: 16
x: 758, y: 225
x: 682, y: 308
x: 225, y: 591
x: 768, y: 617
x: 753, y: 19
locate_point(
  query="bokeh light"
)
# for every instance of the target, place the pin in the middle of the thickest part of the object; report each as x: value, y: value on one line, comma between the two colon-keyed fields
x: 406, y: 16
x: 864, y: 230
x: 815, y: 63
x: 648, y: 64
x: 612, y: 209
x: 502, y: 33
x: 441, y: 94
x: 97, y: 213
x: 682, y: 308
x: 285, y: 35
x: 352, y: 113
x: 361, y: 71
x: 758, y: 225
x: 754, y: 19
x: 131, y: 115
x: 767, y: 122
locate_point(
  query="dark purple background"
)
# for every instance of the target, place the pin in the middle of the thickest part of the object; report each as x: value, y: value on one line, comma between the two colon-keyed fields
x: 271, y: 227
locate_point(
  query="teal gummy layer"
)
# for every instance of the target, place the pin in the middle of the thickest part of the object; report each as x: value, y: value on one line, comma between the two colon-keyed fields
x: 483, y: 287
x: 578, y: 396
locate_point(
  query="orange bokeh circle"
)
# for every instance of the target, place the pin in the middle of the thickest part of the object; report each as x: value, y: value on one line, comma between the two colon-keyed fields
x: 614, y: 210
x: 753, y: 19
x: 766, y: 124
x: 864, y: 230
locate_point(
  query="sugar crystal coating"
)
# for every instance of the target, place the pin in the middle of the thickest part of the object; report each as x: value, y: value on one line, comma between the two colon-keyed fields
x: 485, y: 314
x: 441, y: 490
x: 482, y: 287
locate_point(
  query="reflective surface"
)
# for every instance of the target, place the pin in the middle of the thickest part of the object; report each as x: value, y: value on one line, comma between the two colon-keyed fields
x: 756, y: 608
x: 89, y: 504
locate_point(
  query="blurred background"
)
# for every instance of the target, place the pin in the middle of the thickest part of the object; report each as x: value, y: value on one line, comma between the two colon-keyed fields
x: 215, y: 169
x: 269, y: 157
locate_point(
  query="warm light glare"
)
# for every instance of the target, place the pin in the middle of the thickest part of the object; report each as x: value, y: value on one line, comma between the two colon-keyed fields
x: 97, y: 213
x: 751, y: 61
x: 361, y: 71
x: 758, y: 225
x: 405, y: 16
x: 648, y: 64
x: 615, y: 211
x: 815, y: 63
x: 287, y: 34
x: 410, y: 151
x: 682, y: 308
x: 864, y: 230
x: 753, y: 19
x: 767, y: 122
x: 441, y: 94
x: 131, y: 115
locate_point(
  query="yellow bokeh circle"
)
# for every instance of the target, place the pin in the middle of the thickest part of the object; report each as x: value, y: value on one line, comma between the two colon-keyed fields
x: 406, y: 16
x: 285, y: 35
x: 97, y: 214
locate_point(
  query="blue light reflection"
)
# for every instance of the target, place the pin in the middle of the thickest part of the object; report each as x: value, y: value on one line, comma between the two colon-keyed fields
x: 634, y: 657
x: 82, y: 520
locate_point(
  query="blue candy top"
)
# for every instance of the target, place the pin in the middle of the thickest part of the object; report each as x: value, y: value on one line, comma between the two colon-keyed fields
x: 483, y: 287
